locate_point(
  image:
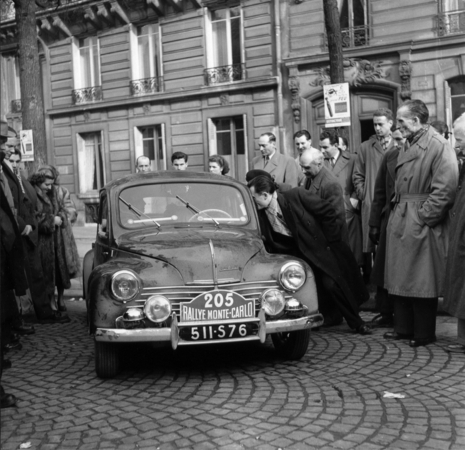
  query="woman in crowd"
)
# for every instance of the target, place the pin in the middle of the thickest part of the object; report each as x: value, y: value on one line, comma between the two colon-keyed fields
x: 218, y: 165
x: 57, y: 247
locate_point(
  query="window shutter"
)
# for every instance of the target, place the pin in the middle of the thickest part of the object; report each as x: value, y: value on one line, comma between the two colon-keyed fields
x: 138, y: 144
x: 163, y: 143
x: 211, y: 137
x: 246, y: 147
x: 448, y: 108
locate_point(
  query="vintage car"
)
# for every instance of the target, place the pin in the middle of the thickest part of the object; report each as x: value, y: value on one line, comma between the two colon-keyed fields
x: 179, y: 258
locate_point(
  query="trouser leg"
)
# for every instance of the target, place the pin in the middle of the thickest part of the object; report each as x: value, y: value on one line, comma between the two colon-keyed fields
x: 424, y: 310
x: 347, y: 309
x: 461, y: 331
x: 367, y: 266
x: 384, y: 302
x: 403, y: 315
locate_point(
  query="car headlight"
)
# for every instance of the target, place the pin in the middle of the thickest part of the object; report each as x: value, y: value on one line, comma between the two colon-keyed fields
x: 292, y: 276
x: 273, y: 302
x: 124, y: 285
x: 157, y: 308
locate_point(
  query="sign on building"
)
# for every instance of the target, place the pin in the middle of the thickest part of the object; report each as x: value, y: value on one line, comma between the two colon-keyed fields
x: 27, y: 145
x: 337, y: 105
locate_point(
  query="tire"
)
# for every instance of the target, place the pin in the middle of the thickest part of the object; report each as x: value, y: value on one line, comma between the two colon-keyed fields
x: 107, y: 359
x: 292, y: 345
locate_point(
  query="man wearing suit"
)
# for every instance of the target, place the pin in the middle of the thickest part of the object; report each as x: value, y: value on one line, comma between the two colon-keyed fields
x: 281, y: 167
x: 379, y: 216
x: 367, y: 165
x: 299, y: 223
x: 341, y: 164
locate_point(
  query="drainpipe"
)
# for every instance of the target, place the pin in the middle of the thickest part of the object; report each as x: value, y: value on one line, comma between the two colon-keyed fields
x: 277, y: 27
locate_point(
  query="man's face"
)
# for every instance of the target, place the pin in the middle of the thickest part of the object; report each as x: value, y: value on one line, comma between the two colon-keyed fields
x: 459, y: 133
x: 14, y: 161
x: 143, y: 165
x: 406, y: 124
x: 310, y: 168
x: 266, y: 147
x: 398, y: 138
x: 382, y: 126
x: 302, y: 143
x: 261, y: 200
x: 329, y: 150
x: 179, y: 164
x: 9, y: 149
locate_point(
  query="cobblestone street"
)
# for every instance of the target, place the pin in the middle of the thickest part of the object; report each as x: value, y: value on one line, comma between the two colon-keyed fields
x: 237, y: 396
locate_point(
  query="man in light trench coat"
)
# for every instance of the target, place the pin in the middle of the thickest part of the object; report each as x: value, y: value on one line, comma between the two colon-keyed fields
x: 417, y: 231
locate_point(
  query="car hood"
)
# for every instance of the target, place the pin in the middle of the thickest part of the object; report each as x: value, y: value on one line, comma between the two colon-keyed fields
x: 199, y: 254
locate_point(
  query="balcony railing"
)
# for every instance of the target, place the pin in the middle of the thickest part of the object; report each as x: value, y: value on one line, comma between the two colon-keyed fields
x: 353, y: 37
x: 16, y: 106
x: 452, y: 22
x: 146, y: 86
x: 87, y: 95
x: 224, y: 74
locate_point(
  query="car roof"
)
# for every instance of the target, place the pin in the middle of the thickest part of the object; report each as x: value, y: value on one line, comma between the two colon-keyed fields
x: 167, y: 176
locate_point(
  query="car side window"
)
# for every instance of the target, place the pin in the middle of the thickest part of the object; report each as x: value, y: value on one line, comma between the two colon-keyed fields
x: 103, y: 216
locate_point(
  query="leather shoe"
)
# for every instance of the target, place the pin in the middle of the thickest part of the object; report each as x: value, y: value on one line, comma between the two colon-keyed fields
x: 364, y: 329
x: 396, y: 336
x: 455, y: 348
x: 7, y: 401
x: 382, y: 321
x: 421, y: 342
x: 56, y: 317
x: 23, y: 329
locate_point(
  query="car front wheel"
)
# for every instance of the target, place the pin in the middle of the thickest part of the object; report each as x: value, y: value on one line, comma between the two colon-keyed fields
x: 292, y: 345
x: 107, y: 359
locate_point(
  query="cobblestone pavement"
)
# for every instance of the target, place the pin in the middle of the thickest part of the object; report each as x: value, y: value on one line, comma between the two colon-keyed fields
x: 237, y: 396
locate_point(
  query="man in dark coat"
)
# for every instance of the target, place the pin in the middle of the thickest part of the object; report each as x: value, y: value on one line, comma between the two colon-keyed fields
x: 299, y: 223
x: 379, y: 216
x: 454, y: 286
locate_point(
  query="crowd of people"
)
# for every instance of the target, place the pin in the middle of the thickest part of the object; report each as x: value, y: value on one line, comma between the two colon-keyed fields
x: 392, y: 213
x: 38, y: 251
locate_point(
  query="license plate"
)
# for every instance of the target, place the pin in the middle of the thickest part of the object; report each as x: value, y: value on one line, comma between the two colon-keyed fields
x: 216, y: 306
x: 218, y: 331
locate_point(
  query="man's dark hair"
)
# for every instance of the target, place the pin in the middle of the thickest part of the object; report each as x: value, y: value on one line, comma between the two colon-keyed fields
x: 331, y: 135
x: 178, y: 155
x: 345, y: 141
x: 254, y: 173
x: 36, y: 179
x: 271, y: 136
x: 441, y: 127
x: 301, y: 133
x: 262, y: 184
x: 384, y: 112
x: 417, y: 108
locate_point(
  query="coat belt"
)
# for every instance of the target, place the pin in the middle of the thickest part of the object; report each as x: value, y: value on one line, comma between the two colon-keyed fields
x: 410, y: 198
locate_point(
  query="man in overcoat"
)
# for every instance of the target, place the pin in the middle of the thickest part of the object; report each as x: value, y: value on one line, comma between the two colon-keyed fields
x: 454, y: 286
x: 418, y: 227
x: 367, y: 164
x: 299, y: 223
x: 379, y: 216
x: 282, y: 168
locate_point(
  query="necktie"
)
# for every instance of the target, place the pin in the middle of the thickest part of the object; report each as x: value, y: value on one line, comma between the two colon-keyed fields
x: 266, y: 159
x: 333, y: 161
x: 16, y: 171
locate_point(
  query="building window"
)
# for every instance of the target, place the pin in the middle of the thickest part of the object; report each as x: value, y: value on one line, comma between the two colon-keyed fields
x: 225, y: 46
x: 228, y: 138
x: 354, y: 22
x: 150, y: 142
x: 451, y: 19
x: 9, y: 84
x: 146, y: 63
x: 90, y: 162
x: 86, y: 56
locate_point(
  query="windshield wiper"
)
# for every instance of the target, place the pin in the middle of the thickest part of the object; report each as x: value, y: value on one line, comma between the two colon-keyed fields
x: 139, y: 213
x: 196, y: 211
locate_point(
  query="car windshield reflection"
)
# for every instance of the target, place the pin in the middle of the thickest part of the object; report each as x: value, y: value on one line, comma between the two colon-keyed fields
x: 180, y: 203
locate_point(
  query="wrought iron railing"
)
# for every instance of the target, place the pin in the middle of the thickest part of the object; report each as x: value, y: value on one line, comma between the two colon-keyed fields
x: 87, y: 95
x: 353, y: 37
x: 16, y: 106
x: 224, y: 74
x: 452, y: 22
x: 146, y: 86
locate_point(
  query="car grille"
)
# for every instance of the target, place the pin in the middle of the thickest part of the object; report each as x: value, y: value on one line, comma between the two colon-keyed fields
x: 184, y: 294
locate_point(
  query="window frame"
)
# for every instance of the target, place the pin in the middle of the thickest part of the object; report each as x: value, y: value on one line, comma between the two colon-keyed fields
x: 80, y: 146
x: 139, y: 146
x: 77, y: 66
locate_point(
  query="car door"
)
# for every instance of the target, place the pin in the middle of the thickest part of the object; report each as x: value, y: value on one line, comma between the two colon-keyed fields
x: 102, y: 250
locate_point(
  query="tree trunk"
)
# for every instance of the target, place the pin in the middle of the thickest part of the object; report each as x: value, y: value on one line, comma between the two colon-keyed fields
x: 32, y: 103
x: 333, y: 32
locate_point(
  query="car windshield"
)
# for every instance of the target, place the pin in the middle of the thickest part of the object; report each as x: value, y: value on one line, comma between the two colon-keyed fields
x: 159, y: 205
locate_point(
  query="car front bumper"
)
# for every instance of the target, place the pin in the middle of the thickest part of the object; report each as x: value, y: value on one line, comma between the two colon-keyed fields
x: 171, y: 334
